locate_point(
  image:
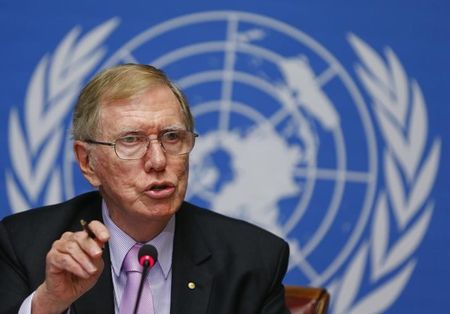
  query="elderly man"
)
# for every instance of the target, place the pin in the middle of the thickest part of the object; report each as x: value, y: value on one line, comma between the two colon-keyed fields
x: 133, y: 132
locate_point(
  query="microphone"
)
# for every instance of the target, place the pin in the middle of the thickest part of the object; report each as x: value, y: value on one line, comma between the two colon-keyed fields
x: 147, y: 256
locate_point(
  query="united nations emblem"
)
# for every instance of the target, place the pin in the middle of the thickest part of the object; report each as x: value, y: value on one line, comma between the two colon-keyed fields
x: 289, y: 141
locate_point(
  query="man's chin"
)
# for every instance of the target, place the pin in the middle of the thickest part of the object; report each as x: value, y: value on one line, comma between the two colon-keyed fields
x: 158, y: 209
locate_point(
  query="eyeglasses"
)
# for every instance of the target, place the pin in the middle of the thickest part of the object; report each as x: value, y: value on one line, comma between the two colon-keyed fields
x: 173, y: 142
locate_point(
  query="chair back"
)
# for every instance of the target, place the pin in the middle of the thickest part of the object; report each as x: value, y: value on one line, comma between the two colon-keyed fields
x: 306, y: 300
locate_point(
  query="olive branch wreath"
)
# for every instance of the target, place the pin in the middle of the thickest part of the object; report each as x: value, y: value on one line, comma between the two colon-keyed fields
x: 399, y: 110
x: 51, y: 93
x: 403, y: 207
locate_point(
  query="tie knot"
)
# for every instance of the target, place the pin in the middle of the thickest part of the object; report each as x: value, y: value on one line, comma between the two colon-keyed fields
x: 131, y: 261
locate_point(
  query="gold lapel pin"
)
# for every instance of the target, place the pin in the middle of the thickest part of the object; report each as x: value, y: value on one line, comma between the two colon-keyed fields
x: 191, y: 285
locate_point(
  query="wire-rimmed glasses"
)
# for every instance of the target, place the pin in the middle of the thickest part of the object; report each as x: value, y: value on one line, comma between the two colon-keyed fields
x: 173, y: 142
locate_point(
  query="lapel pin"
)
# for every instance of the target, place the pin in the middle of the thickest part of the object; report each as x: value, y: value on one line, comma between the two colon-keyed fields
x: 191, y: 285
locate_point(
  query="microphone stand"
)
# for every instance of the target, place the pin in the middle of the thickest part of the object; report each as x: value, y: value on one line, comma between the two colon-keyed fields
x: 141, y: 285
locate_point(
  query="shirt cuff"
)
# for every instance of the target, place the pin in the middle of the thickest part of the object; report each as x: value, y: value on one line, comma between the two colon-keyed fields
x: 25, y: 308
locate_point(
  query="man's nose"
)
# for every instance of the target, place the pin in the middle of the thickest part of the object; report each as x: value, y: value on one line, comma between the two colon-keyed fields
x: 155, y: 157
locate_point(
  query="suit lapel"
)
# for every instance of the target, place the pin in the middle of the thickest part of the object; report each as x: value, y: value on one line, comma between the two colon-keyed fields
x: 192, y: 277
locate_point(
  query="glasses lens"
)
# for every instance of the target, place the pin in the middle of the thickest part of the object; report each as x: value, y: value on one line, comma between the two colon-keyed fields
x: 131, y: 147
x: 177, y: 142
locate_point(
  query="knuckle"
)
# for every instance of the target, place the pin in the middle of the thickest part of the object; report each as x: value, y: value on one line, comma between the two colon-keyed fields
x: 71, y: 247
x: 62, y: 261
x: 78, y: 236
x: 58, y: 244
x: 66, y: 235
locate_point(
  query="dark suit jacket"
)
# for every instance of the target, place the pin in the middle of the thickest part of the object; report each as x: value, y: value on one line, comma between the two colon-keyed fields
x: 237, y: 267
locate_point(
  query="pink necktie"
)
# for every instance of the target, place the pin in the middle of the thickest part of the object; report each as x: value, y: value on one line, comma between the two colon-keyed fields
x: 134, y: 273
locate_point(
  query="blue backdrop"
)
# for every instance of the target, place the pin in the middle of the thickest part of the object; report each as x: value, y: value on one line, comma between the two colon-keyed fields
x: 324, y: 122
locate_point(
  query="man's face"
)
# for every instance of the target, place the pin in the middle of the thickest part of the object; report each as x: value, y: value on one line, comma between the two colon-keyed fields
x: 153, y: 187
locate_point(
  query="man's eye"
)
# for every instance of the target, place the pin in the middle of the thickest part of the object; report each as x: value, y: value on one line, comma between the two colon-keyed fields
x: 171, y: 136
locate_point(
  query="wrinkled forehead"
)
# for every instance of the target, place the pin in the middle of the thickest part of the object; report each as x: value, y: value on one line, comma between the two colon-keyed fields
x: 155, y: 106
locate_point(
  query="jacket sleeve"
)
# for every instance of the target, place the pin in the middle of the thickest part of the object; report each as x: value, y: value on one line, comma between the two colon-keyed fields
x: 275, y: 301
x: 14, y: 288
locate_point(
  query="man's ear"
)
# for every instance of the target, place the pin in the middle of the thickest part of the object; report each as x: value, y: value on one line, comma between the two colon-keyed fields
x: 82, y: 154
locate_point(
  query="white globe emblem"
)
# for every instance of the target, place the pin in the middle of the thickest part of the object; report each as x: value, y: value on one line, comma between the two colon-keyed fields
x: 274, y: 148
x: 286, y: 142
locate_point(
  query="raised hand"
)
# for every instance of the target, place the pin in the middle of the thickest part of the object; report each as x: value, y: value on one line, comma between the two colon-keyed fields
x: 73, y: 266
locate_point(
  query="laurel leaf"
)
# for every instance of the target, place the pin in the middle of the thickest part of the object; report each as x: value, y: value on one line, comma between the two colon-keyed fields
x: 406, y: 143
x: 392, y: 133
x: 61, y: 62
x: 53, y: 193
x: 46, y: 162
x: 399, y: 107
x: 379, y: 92
x: 408, y: 152
x: 392, y: 111
x: 371, y: 60
x: 34, y: 106
x: 380, y: 236
x: 67, y: 77
x: 417, y: 133
x: 395, y: 190
x: 15, y: 197
x: 87, y: 52
x: 80, y: 70
x: 55, y: 115
x: 380, y: 299
x: 19, y: 154
x: 422, y: 186
x: 90, y: 42
x: 408, y: 242
x: 48, y: 100
x: 42, y: 124
x: 351, y: 281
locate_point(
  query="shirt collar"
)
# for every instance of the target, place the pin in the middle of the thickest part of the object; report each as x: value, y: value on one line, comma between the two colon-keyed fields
x: 120, y: 243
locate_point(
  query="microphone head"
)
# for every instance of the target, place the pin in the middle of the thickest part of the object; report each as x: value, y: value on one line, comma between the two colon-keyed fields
x: 147, y: 255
